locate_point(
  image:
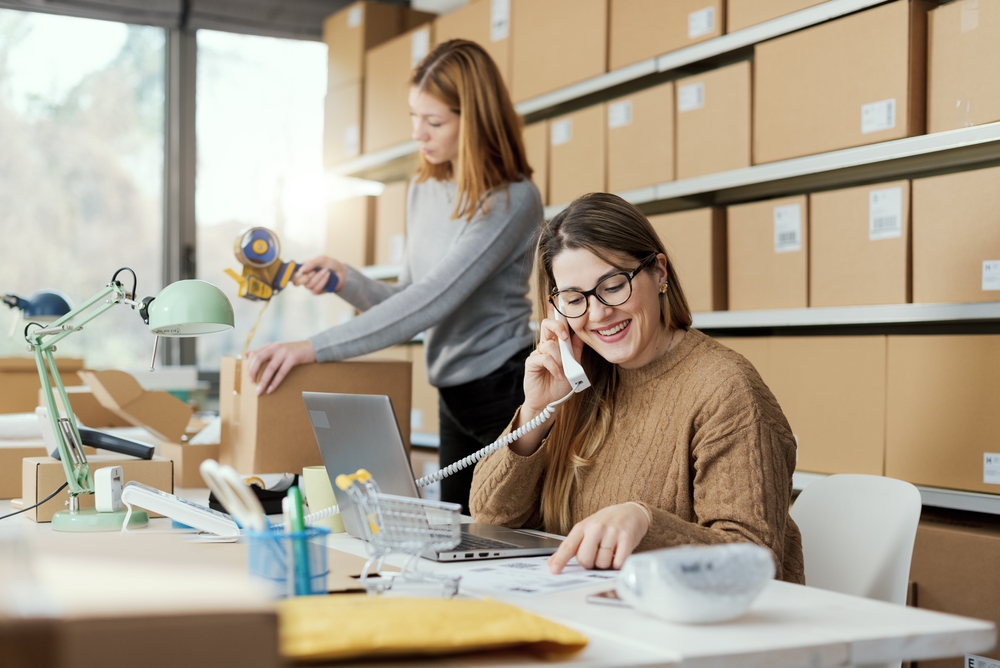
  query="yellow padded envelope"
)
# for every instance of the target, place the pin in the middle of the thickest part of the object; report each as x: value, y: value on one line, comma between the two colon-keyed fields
x: 316, y: 628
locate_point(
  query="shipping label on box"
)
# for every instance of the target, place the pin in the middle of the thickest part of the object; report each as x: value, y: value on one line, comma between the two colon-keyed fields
x: 885, y: 214
x: 991, y: 274
x: 499, y: 20
x: 701, y: 23
x: 788, y: 228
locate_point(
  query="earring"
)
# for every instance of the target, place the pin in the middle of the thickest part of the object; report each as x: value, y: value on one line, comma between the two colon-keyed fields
x: 663, y: 289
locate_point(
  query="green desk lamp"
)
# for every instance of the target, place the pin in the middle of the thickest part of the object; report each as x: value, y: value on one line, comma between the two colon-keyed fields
x: 184, y: 308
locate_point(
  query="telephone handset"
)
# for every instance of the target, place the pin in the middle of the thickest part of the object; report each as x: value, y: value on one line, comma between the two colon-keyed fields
x: 577, y: 379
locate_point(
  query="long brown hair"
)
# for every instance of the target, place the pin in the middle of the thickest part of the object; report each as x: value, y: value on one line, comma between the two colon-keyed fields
x: 491, y: 152
x: 610, y: 228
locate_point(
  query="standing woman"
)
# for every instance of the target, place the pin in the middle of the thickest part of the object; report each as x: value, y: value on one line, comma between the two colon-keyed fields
x: 472, y: 216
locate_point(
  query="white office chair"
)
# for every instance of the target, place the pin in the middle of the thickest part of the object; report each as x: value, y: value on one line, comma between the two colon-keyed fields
x: 858, y: 533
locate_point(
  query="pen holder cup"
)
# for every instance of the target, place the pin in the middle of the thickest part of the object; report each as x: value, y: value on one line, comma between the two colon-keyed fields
x: 273, y: 557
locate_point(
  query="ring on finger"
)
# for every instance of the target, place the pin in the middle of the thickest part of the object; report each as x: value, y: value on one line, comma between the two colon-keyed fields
x: 604, y: 547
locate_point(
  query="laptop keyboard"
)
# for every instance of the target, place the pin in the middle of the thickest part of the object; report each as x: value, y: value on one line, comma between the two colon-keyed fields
x: 472, y: 542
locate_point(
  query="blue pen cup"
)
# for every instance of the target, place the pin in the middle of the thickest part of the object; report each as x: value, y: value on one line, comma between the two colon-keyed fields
x: 271, y: 557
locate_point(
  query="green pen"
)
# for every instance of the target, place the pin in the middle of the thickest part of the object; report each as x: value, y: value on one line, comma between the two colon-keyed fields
x: 300, y: 548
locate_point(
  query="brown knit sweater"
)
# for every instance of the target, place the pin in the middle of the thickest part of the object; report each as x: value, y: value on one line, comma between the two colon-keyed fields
x: 697, y: 438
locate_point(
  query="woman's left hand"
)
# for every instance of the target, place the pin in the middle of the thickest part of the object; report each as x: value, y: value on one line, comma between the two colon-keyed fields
x: 273, y: 362
x: 603, y: 540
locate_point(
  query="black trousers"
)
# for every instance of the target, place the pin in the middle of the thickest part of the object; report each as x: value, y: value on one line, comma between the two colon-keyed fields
x: 473, y: 415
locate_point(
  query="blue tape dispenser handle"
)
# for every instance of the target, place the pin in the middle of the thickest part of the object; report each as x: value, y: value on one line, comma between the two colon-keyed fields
x: 284, y: 276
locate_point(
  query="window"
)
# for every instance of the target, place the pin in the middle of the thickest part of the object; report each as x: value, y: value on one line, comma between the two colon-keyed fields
x: 81, y: 171
x: 260, y: 163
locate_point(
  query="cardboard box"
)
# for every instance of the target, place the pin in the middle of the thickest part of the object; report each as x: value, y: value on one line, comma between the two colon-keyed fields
x: 696, y: 243
x: 942, y: 398
x: 350, y: 230
x: 387, y: 88
x: 485, y: 22
x: 556, y: 43
x: 357, y: 28
x: 713, y: 121
x: 956, y: 238
x: 342, y: 124
x: 271, y: 433
x: 536, y: 146
x: 11, y: 454
x: 768, y: 259
x: 423, y: 461
x: 756, y: 349
x: 963, y: 65
x: 19, y: 382
x: 577, y: 154
x: 86, y: 408
x: 832, y: 390
x: 641, y: 139
x: 424, y: 414
x: 643, y: 29
x: 742, y: 14
x: 187, y: 459
x: 806, y: 101
x: 859, y: 246
x: 390, y: 224
x: 954, y: 570
x: 41, y: 475
x: 160, y: 413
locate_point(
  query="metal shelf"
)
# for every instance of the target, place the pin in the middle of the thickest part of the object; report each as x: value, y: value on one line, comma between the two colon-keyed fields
x: 390, y: 163
x: 849, y: 315
x: 883, y: 161
x: 425, y: 440
x: 935, y: 497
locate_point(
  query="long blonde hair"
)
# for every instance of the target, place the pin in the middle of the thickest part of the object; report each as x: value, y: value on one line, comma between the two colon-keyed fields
x: 610, y: 228
x: 491, y: 152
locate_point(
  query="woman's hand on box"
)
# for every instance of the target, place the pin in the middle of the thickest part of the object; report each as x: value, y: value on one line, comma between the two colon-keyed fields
x: 270, y: 364
x: 315, y: 273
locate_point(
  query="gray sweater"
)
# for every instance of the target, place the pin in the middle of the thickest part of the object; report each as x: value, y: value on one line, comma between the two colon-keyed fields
x: 463, y: 283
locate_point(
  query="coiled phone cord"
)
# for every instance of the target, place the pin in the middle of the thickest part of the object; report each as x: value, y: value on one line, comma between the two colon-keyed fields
x: 494, y: 446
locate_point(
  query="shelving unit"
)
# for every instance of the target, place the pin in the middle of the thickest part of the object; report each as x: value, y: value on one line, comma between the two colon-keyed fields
x: 849, y: 315
x: 397, y: 161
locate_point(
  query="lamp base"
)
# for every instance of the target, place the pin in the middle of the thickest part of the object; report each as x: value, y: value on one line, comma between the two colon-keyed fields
x: 88, y: 519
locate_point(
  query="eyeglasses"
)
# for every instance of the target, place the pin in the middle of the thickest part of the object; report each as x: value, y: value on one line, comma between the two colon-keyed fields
x: 613, y: 290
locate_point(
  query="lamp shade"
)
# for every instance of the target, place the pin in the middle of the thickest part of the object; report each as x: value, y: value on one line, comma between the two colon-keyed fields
x: 190, y: 308
x: 44, y: 306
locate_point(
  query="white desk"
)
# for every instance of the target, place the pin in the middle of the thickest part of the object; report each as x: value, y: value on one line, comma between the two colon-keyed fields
x: 788, y: 626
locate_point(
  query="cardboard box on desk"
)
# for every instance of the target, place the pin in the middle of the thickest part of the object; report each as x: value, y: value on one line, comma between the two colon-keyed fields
x: 954, y: 570
x: 160, y: 413
x: 271, y: 433
x: 963, y: 65
x: 859, y: 246
x: 577, y: 154
x: 485, y: 22
x: 768, y: 259
x: 187, y: 459
x: 87, y: 409
x: 641, y: 139
x: 40, y: 476
x: 643, y: 29
x: 556, y: 43
x: 342, y: 116
x: 806, y: 100
x: 387, y: 88
x: 19, y: 381
x: 390, y: 224
x: 956, y: 237
x: 942, y: 397
x: 713, y: 121
x: 742, y: 14
x: 11, y: 455
x: 696, y: 241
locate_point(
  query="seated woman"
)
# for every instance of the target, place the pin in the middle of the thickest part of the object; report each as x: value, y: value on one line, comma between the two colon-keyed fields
x: 678, y: 441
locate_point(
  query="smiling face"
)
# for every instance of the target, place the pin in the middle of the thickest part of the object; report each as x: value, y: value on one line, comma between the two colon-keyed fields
x: 435, y: 128
x: 630, y: 335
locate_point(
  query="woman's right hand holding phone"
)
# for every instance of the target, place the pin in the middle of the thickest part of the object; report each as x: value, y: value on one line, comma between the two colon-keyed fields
x: 315, y: 273
x: 544, y: 380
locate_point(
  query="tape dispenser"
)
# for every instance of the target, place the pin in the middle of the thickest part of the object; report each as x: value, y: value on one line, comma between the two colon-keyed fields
x: 264, y: 273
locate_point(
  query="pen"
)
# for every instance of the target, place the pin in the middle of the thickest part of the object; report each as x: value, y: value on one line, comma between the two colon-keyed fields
x: 300, y: 549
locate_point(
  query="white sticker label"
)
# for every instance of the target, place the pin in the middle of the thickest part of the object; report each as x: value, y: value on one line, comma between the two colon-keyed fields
x: 355, y: 16
x: 562, y: 132
x: 970, y: 15
x: 973, y: 661
x: 319, y: 419
x: 352, y: 140
x: 416, y: 419
x: 499, y: 20
x: 787, y: 228
x: 420, y: 46
x: 620, y: 114
x: 991, y: 468
x: 701, y: 22
x: 878, y: 116
x: 885, y: 214
x: 691, y: 97
x: 991, y: 274
x: 397, y: 248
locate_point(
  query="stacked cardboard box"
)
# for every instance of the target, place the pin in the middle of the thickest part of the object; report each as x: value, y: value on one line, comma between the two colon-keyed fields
x: 696, y: 243
x: 485, y: 22
x: 350, y: 230
x: 742, y: 14
x: 19, y: 381
x: 641, y: 139
x: 390, y: 224
x: 536, y: 146
x: 643, y: 29
x: 577, y: 154
x: 713, y: 121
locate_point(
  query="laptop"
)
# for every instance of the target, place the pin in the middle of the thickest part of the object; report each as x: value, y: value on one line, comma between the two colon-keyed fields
x: 356, y: 431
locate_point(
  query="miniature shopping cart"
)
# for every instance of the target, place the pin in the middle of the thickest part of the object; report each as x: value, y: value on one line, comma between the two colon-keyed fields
x: 401, y: 525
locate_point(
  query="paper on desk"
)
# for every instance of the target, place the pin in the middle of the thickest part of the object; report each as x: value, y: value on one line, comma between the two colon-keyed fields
x: 530, y: 575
